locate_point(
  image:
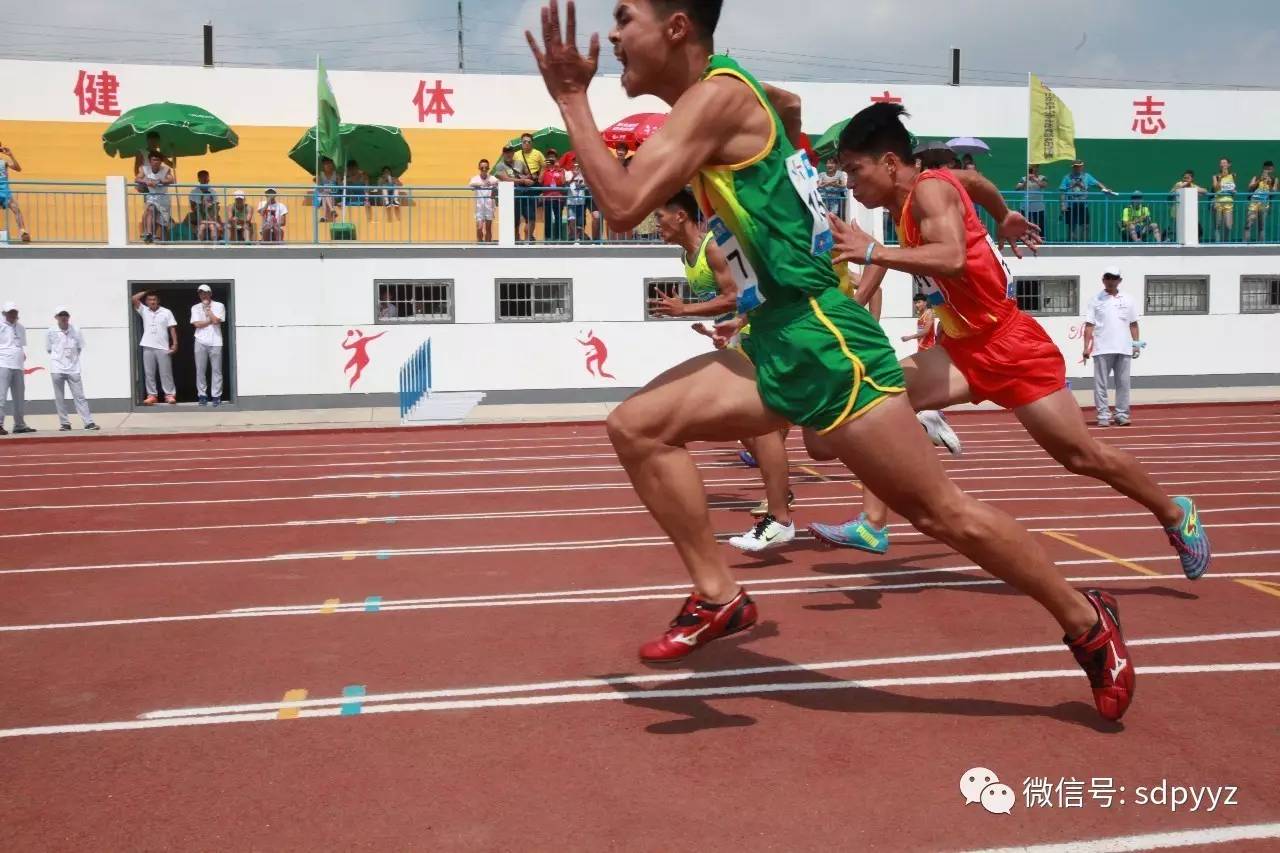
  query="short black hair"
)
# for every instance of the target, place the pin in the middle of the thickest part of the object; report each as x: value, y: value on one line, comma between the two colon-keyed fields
x: 149, y: 294
x: 1191, y: 172
x: 919, y: 297
x: 685, y: 201
x: 877, y: 130
x: 483, y: 161
x: 528, y: 136
x: 202, y: 174
x: 1267, y: 164
x: 705, y: 15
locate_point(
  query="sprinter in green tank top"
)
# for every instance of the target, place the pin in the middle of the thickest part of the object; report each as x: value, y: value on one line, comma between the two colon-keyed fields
x: 819, y: 358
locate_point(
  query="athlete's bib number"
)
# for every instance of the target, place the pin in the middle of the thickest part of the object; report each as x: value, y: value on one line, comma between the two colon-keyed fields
x: 744, y: 275
x: 1010, y: 289
x: 805, y: 180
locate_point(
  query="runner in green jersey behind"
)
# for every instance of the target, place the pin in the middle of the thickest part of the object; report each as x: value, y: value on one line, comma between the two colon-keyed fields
x: 820, y: 359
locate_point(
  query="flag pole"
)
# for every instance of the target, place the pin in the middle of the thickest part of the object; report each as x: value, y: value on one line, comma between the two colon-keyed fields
x: 315, y: 220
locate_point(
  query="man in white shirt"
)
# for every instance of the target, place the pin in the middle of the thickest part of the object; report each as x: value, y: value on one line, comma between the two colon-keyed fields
x: 273, y: 215
x: 12, y: 380
x: 64, y: 344
x: 486, y: 189
x: 159, y: 343
x: 1111, y: 338
x: 207, y: 317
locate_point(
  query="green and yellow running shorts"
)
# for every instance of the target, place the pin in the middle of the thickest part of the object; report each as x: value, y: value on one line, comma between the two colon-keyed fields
x: 821, y: 360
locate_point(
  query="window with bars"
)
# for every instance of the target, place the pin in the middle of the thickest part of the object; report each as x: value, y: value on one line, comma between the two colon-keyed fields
x: 1048, y: 297
x: 1259, y: 294
x: 535, y: 300
x: 656, y: 287
x: 413, y: 300
x: 1170, y: 294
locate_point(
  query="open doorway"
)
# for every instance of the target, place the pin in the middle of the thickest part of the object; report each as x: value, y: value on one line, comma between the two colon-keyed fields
x: 179, y: 297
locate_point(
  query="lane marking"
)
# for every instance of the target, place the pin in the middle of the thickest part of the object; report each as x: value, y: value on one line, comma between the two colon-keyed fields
x: 638, y: 697
x: 1151, y: 841
x: 353, y: 700
x: 373, y: 604
x: 1074, y: 542
x: 289, y: 706
x: 330, y: 605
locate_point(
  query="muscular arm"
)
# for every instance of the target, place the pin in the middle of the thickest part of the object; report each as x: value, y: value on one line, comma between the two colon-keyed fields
x: 869, y: 284
x: 727, y: 300
x: 787, y: 105
x: 937, y: 209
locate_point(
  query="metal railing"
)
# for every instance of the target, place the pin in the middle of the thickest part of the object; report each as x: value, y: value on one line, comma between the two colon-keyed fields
x: 570, y: 215
x: 54, y: 212
x: 1239, y: 217
x: 193, y: 213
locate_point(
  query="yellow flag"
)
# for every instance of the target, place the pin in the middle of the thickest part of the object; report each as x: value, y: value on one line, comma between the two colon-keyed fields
x: 1052, y: 135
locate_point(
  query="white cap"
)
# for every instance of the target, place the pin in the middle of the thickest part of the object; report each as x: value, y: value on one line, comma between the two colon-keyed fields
x: 238, y: 194
x: 8, y: 306
x: 61, y: 310
x: 204, y: 287
x: 1112, y: 272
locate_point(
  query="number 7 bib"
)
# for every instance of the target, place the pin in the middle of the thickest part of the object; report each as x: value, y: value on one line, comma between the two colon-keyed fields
x: 744, y: 275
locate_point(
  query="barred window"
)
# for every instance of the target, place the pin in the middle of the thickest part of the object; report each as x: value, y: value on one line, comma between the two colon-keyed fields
x: 1048, y: 297
x: 413, y: 300
x: 657, y: 287
x: 1170, y: 294
x: 1259, y: 294
x: 535, y: 300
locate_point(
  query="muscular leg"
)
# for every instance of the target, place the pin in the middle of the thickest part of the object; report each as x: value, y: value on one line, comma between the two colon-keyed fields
x: 711, y: 397
x: 770, y: 451
x: 887, y: 451
x: 1056, y: 424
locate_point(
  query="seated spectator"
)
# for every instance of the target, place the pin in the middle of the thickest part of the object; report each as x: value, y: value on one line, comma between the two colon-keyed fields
x: 153, y: 180
x: 1075, y: 189
x: 390, y: 194
x: 386, y: 307
x: 10, y: 163
x: 240, y: 220
x: 205, y: 208
x: 357, y: 190
x: 832, y: 186
x: 486, y: 190
x: 326, y: 192
x: 274, y: 215
x: 1032, y: 187
x: 1261, y: 188
x: 553, y: 197
x: 1136, y: 223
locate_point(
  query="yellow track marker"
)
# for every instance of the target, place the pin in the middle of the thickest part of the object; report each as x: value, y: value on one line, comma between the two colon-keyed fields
x: 350, y: 555
x: 295, y: 695
x: 330, y: 605
x: 362, y: 521
x: 1089, y: 549
x: 1269, y: 587
x: 813, y: 473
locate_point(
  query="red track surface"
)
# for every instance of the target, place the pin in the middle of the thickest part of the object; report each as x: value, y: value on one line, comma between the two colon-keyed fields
x: 519, y: 560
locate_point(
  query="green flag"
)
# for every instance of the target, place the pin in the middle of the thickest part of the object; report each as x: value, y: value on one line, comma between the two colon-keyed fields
x: 328, y: 143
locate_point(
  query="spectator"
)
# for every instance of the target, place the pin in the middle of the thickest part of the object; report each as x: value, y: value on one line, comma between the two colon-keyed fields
x: 1075, y: 189
x: 1260, y: 189
x: 1188, y: 182
x: 159, y: 342
x: 240, y: 219
x: 153, y: 179
x: 1033, y: 187
x: 576, y: 212
x: 205, y: 209
x: 1224, y: 201
x: 505, y: 170
x: 529, y: 163
x: 207, y: 317
x: 1136, y: 222
x: 486, y: 189
x: 1111, y: 339
x: 833, y: 186
x: 326, y: 191
x: 64, y: 344
x: 357, y: 192
x: 623, y: 153
x: 12, y: 380
x: 390, y: 194
x: 554, y: 179
x: 9, y: 163
x: 153, y: 147
x: 274, y: 215
x: 967, y: 164
x: 937, y: 158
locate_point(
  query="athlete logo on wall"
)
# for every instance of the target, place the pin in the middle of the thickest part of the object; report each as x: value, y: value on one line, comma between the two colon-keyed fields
x: 597, y: 354
x: 359, y: 345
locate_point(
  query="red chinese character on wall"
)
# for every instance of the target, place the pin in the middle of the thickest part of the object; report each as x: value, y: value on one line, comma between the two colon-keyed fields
x: 886, y: 98
x: 1147, y: 119
x: 98, y: 93
x: 436, y: 105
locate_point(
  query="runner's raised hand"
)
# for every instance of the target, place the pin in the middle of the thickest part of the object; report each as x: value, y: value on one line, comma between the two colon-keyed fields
x: 563, y: 68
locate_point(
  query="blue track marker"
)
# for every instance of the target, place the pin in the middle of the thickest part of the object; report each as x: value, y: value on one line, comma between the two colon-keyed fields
x: 384, y: 555
x: 356, y: 693
x: 373, y: 604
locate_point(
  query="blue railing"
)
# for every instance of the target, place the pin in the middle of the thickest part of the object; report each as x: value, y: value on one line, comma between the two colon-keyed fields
x: 54, y: 212
x: 415, y: 379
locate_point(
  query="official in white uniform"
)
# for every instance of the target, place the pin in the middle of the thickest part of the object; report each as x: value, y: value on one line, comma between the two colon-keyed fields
x: 65, y: 344
x: 159, y: 343
x: 13, y: 339
x: 207, y: 317
x: 1111, y: 339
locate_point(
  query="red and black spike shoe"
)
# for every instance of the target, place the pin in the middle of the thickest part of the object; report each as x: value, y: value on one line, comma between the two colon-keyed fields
x: 698, y: 623
x: 1103, y: 656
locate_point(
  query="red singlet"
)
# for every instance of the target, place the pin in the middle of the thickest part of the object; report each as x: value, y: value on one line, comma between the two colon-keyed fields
x: 930, y: 330
x: 1004, y: 354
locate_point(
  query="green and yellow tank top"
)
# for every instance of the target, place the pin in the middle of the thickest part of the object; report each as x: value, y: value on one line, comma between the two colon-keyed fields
x: 702, y: 281
x: 766, y: 213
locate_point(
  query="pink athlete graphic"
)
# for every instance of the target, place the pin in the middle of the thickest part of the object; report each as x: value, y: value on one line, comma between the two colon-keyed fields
x: 597, y: 356
x: 360, y: 357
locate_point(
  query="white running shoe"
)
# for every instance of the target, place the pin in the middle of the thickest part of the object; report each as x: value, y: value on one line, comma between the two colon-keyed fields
x: 940, y: 432
x: 767, y: 533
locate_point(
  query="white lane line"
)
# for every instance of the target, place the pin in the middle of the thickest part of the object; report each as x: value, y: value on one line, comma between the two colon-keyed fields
x: 568, y: 512
x: 612, y: 597
x: 639, y: 697
x: 686, y: 676
x: 1151, y: 841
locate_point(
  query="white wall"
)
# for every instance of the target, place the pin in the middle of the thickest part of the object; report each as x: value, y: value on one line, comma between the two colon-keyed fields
x: 293, y: 311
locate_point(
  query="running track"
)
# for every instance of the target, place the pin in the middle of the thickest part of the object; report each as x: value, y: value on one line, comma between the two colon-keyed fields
x: 187, y: 626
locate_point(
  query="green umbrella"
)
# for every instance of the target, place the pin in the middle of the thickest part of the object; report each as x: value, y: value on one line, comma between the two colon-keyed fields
x: 184, y: 130
x: 548, y: 137
x: 825, y: 145
x: 373, y: 146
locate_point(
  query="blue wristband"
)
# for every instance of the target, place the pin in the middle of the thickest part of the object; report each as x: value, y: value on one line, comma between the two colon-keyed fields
x: 866, y: 259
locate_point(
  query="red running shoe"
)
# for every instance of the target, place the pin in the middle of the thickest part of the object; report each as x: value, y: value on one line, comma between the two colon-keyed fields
x: 1102, y: 654
x: 698, y: 623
